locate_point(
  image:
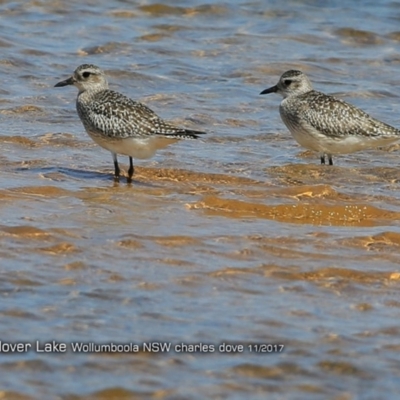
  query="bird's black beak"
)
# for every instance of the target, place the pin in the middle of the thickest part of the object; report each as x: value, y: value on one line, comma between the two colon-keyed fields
x: 69, y: 81
x: 272, y: 89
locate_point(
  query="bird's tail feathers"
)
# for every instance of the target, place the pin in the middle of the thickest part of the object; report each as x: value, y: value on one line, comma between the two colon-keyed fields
x: 184, y: 134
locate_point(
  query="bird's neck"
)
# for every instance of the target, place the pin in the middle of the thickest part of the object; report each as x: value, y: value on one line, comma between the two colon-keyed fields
x: 87, y: 95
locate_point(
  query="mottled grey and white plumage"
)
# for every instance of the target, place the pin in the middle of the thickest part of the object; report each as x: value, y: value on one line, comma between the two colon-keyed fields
x: 325, y: 124
x: 117, y: 123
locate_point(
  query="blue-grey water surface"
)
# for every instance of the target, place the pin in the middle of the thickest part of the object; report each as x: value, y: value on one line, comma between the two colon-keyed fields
x: 241, y: 238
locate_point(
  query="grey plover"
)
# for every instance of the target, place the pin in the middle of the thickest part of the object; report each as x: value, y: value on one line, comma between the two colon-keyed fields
x: 117, y: 123
x: 325, y: 124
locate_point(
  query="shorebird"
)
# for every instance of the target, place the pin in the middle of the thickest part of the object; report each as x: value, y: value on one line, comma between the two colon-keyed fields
x: 117, y: 123
x: 325, y: 124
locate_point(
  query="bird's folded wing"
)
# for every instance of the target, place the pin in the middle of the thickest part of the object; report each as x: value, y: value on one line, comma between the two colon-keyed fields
x: 336, y: 118
x: 119, y: 116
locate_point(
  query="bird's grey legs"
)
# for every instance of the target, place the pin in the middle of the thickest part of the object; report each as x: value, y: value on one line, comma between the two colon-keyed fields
x: 131, y: 170
x: 322, y: 157
x: 116, y: 167
x: 117, y: 171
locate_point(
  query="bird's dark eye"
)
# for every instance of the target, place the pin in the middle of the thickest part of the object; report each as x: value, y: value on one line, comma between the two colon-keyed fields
x: 287, y: 82
x: 86, y: 74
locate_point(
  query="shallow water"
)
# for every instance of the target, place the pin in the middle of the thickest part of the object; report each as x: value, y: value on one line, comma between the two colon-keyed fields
x: 241, y: 238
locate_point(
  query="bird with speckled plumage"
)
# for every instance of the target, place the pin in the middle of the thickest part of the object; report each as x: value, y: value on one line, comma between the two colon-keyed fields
x: 325, y: 124
x: 117, y: 123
